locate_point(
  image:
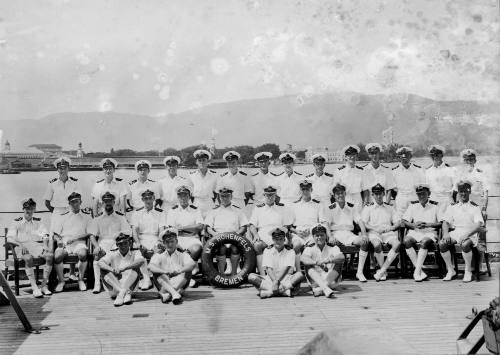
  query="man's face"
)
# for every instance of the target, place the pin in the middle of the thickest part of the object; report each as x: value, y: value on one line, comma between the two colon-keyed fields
x: 437, y: 158
x: 288, y: 166
x: 148, y: 201
x: 170, y: 244
x: 263, y: 164
x: 423, y: 196
x: 123, y: 245
x: 183, y: 198
x: 306, y: 191
x: 339, y: 196
x: 374, y: 155
x: 378, y: 197
x: 109, y: 203
x: 225, y: 198
x: 351, y: 158
x: 232, y: 164
x: 320, y: 238
x: 270, y: 197
x: 75, y: 205
x: 108, y: 170
x: 202, y: 162
x: 405, y: 158
x: 319, y: 166
x: 28, y: 212
x: 63, y: 170
x: 143, y: 172
x: 463, y: 194
x: 279, y: 242
x: 470, y: 160
x: 172, y: 167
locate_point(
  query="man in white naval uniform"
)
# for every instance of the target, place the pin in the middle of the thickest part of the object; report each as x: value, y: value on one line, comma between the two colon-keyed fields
x: 171, y: 182
x: 288, y: 180
x: 109, y: 183
x: 203, y: 182
x: 263, y: 178
x: 142, y: 183
x: 377, y: 173
x: 238, y: 181
x: 322, y: 182
x: 440, y: 177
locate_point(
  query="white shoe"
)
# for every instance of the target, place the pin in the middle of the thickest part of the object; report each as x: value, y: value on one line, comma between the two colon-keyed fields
x: 361, y: 277
x: 383, y: 276
x: 97, y: 288
x: 73, y: 277
x: 229, y: 269
x: 423, y: 275
x: 377, y: 275
x: 37, y: 293
x: 145, y: 285
x: 467, y: 276
x: 60, y: 287
x: 265, y: 294
x: 328, y: 292
x: 450, y: 275
x: 317, y: 291
x: 165, y: 297
x: 82, y: 286
x: 119, y: 299
x: 46, y: 291
x: 417, y: 277
x: 127, y: 299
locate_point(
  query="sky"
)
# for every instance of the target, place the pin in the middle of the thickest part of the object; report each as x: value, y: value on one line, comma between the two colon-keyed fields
x: 159, y: 57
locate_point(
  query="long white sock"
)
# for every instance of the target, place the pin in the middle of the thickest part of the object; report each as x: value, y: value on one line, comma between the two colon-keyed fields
x: 46, y: 273
x: 412, y: 254
x: 422, y: 253
x: 391, y: 255
x: 468, y: 260
x: 97, y: 274
x: 380, y: 258
x: 362, y: 259
x: 447, y: 260
x: 31, y: 276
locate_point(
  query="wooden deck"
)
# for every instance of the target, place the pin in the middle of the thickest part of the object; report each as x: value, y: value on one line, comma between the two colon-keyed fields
x: 427, y: 317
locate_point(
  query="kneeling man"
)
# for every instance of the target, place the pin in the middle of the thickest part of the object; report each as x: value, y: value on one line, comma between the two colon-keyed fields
x: 278, y: 263
x: 323, y: 262
x: 172, y: 268
x: 121, y: 270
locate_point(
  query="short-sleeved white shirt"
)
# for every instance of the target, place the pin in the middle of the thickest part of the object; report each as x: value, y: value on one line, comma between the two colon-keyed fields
x: 226, y: 219
x: 171, y: 262
x: 417, y: 213
x: 260, y: 181
x: 179, y: 217
x: 150, y: 222
x: 334, y: 215
x: 288, y: 187
x: 57, y: 192
x: 73, y: 225
x: 203, y: 186
x: 305, y: 214
x: 137, y: 188
x: 278, y: 260
x: 407, y: 179
x: 381, y: 216
x: 23, y: 231
x: 239, y: 183
x: 480, y: 183
x: 440, y: 179
x: 109, y: 226
x: 266, y: 218
x: 116, y: 260
x: 381, y: 175
x: 463, y: 215
x: 321, y: 186
x: 168, y: 186
x: 354, y: 179
x: 117, y: 186
x: 316, y: 254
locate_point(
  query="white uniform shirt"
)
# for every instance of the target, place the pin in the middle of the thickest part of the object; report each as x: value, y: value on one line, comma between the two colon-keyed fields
x: 57, y: 192
x: 381, y: 175
x: 266, y: 218
x: 203, y: 186
x: 226, y: 219
x: 150, y: 223
x: 261, y: 181
x: 480, y: 183
x: 23, y: 231
x: 179, y: 217
x: 379, y: 216
x: 117, y: 186
x: 137, y: 188
x: 168, y: 186
x: 316, y: 254
x: 353, y: 179
x: 463, y: 215
x: 407, y: 179
x: 239, y: 183
x: 171, y: 262
x: 116, y: 260
x: 278, y: 260
x: 109, y: 226
x: 418, y: 213
x: 73, y: 225
x: 334, y: 215
x: 288, y: 187
x: 305, y: 214
x: 321, y: 187
x: 440, y: 180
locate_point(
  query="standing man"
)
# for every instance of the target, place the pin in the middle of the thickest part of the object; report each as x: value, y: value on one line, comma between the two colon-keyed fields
x: 147, y: 223
x: 323, y: 262
x: 170, y: 182
x: 288, y: 181
x: 377, y: 173
x: 236, y: 180
x: 142, y: 183
x: 322, y: 182
x: 352, y: 177
x: 469, y: 171
x: 340, y: 217
x: 382, y: 223
x: 121, y: 270
x: 263, y: 178
x: 465, y: 216
x: 109, y: 183
x: 440, y: 177
x: 223, y: 219
x: 407, y: 176
x: 265, y: 218
x: 58, y: 190
x: 278, y: 262
x: 31, y: 240
x: 105, y: 228
x: 204, y: 183
x: 71, y: 235
x: 421, y: 218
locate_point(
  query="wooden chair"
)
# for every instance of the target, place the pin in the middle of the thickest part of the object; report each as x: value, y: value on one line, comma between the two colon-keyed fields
x: 12, y: 260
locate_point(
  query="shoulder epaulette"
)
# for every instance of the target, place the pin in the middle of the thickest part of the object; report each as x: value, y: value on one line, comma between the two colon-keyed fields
x: 316, y: 201
x: 39, y: 219
x: 279, y: 204
x: 479, y: 170
x: 300, y: 199
x: 18, y: 219
x: 270, y: 246
x: 176, y: 206
x: 364, y: 166
x: 360, y: 168
x: 213, y: 171
x: 330, y: 244
x: 192, y: 172
x: 288, y: 247
x: 181, y: 177
x: 310, y: 245
x: 151, y: 180
x: 98, y: 181
x: 215, y: 207
x: 369, y: 204
x: 72, y: 178
x: 235, y: 206
x: 332, y: 206
x: 297, y: 173
x: 388, y: 204
x: 308, y: 176
x: 342, y: 167
x: 384, y: 166
x: 446, y: 164
x: 133, y: 182
x: 433, y: 202
x: 397, y: 166
x: 180, y: 249
x: 414, y: 202
x: 277, y: 174
x: 62, y: 214
x: 85, y: 212
x: 453, y: 203
x: 260, y: 204
x: 350, y: 204
x: 257, y: 173
x: 158, y: 209
x: 119, y: 213
x: 223, y: 174
x: 53, y: 180
x: 430, y: 166
x: 329, y: 175
x: 99, y: 214
x: 242, y: 172
x: 473, y: 203
x: 417, y: 166
x: 118, y: 179
x: 140, y: 208
x: 193, y: 207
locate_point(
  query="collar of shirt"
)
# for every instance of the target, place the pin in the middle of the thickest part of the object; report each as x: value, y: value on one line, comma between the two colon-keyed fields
x: 376, y: 205
x: 276, y: 252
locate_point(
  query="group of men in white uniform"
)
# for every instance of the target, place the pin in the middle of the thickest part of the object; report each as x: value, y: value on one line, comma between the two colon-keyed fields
x: 315, y: 214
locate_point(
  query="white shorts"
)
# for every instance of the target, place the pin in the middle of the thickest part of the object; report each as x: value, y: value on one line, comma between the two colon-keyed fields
x: 34, y: 249
x: 418, y: 235
x: 74, y: 247
x: 384, y: 237
x: 148, y: 241
x: 323, y: 274
x: 345, y: 237
x: 124, y: 275
x: 267, y: 283
x: 188, y: 242
x: 457, y: 235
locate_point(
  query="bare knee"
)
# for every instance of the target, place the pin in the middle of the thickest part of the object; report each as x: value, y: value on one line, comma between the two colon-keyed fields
x: 364, y: 243
x: 377, y: 246
x: 259, y: 247
x: 426, y: 243
x: 28, y: 260
x: 49, y: 258
x: 444, y: 246
x: 59, y: 255
x: 395, y: 245
x: 195, y: 252
x: 466, y: 246
x: 409, y: 242
x: 82, y: 255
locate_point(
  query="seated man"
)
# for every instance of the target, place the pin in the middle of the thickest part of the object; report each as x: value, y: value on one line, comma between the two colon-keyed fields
x: 105, y: 227
x: 147, y: 223
x: 278, y: 263
x: 421, y: 218
x: 323, y: 262
x: 340, y: 218
x: 31, y: 240
x: 172, y: 268
x: 71, y: 233
x: 382, y: 224
x: 465, y: 216
x: 265, y: 218
x: 121, y: 270
x: 226, y: 218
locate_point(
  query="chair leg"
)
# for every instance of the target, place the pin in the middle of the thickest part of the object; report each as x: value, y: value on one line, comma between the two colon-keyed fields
x: 487, y: 261
x: 476, y: 255
x: 455, y: 258
x: 16, y: 277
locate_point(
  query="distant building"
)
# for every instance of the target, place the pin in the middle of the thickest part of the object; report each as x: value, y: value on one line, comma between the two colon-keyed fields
x: 332, y: 155
x: 49, y: 149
